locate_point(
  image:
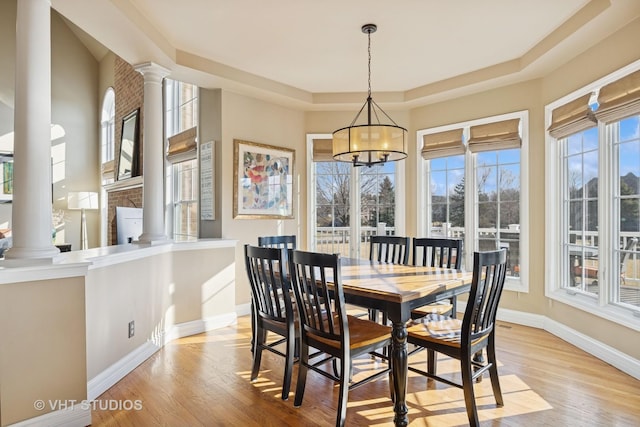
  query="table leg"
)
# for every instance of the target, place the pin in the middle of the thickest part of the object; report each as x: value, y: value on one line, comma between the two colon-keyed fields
x: 399, y: 369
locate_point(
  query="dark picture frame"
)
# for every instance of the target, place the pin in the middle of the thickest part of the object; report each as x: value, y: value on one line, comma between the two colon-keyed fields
x: 129, y: 142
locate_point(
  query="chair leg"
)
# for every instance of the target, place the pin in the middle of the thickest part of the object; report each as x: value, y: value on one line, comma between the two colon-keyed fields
x: 467, y: 387
x: 302, y: 374
x: 253, y: 328
x: 479, y: 358
x: 454, y: 306
x: 259, y: 339
x: 288, y: 365
x: 493, y: 373
x: 345, y: 366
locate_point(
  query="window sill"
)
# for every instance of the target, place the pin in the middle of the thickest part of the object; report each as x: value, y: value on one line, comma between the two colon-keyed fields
x: 587, y: 303
x: 516, y: 285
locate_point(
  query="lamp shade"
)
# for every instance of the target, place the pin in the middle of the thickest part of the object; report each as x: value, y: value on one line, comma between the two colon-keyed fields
x: 370, y: 143
x: 82, y: 200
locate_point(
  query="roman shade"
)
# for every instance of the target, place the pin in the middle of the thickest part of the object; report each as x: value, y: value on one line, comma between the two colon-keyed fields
x: 108, y: 169
x: 183, y: 146
x: 442, y: 144
x: 495, y: 136
x: 322, y: 150
x: 619, y: 99
x: 572, y: 117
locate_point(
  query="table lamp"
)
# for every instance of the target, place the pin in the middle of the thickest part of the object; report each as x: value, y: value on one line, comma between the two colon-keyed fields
x: 82, y: 200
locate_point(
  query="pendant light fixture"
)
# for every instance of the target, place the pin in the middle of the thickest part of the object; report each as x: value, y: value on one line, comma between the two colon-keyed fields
x: 372, y: 142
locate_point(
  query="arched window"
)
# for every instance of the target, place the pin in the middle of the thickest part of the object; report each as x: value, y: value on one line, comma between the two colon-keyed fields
x: 107, y: 135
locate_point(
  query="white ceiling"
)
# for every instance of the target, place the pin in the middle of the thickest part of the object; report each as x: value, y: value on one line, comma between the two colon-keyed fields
x: 312, y: 54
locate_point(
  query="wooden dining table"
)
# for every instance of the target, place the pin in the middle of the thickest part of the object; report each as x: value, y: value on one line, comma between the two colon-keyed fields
x: 398, y: 289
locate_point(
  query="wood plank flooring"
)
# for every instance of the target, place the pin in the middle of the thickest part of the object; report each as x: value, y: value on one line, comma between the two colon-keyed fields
x: 203, y: 380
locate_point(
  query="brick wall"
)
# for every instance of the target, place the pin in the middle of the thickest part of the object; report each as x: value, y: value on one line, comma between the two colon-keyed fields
x: 129, y: 91
x: 131, y: 198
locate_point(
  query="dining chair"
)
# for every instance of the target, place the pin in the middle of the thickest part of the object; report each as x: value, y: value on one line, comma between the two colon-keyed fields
x: 286, y: 242
x: 272, y: 309
x: 464, y: 339
x: 437, y: 252
x: 278, y: 242
x: 326, y: 326
x: 389, y: 249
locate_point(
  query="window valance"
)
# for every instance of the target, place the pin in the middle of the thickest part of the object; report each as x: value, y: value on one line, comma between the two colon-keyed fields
x: 442, y: 144
x: 108, y: 168
x: 619, y: 99
x: 495, y: 136
x: 572, y: 117
x: 183, y: 145
x: 322, y: 150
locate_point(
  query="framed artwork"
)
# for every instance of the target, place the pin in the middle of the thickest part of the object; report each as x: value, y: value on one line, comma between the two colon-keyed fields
x: 262, y: 181
x: 128, y: 163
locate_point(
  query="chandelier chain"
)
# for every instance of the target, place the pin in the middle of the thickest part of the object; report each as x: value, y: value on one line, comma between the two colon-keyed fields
x: 369, y: 50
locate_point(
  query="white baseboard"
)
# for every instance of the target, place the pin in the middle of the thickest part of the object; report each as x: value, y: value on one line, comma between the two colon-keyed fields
x: 615, y: 358
x: 199, y: 326
x: 76, y: 416
x: 114, y: 373
x: 243, y: 309
x: 110, y: 376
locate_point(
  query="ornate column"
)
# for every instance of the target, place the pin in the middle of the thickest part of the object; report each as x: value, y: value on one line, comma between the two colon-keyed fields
x: 153, y: 231
x: 31, y: 213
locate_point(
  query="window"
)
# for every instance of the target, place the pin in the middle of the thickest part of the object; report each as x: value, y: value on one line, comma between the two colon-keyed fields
x: 487, y: 156
x: 107, y: 136
x: 594, y: 164
x: 339, y: 192
x: 185, y: 202
x: 181, y: 121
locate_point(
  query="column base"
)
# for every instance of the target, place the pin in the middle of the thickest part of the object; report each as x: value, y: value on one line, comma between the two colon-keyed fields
x: 152, y: 239
x: 30, y: 256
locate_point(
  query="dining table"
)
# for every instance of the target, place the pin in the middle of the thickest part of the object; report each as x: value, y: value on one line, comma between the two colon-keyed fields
x: 396, y: 290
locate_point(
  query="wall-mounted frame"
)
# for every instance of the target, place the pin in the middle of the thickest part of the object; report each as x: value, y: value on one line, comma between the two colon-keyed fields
x: 6, y: 177
x: 262, y: 181
x: 128, y: 161
x: 207, y: 181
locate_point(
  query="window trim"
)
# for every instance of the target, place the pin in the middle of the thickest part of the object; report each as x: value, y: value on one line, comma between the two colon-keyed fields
x: 554, y: 222
x: 520, y: 284
x: 400, y: 211
x: 172, y: 124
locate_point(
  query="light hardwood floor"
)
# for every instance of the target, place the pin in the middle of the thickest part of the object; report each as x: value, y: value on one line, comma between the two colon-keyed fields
x: 203, y: 380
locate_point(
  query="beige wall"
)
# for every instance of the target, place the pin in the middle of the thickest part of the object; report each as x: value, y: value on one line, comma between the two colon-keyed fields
x: 210, y: 129
x: 613, y: 53
x: 157, y: 292
x: 522, y: 96
x: 74, y: 106
x: 252, y: 120
x: 42, y: 337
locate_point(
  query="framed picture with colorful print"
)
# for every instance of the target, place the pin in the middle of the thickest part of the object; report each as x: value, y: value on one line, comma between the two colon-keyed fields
x: 262, y: 181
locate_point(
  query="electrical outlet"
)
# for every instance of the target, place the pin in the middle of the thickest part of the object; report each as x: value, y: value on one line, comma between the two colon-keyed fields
x: 132, y: 328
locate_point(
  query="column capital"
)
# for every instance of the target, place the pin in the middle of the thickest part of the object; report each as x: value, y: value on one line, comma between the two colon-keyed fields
x: 151, y: 69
